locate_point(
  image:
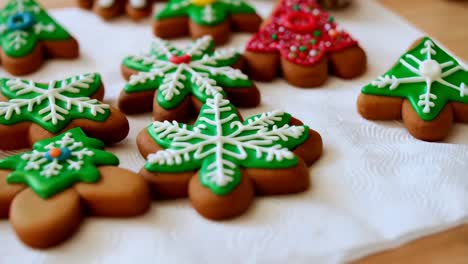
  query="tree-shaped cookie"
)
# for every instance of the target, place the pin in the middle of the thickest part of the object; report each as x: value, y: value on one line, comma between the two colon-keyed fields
x: 221, y: 161
x: 29, y: 35
x: 46, y: 192
x: 183, y: 78
x: 197, y: 18
x: 32, y: 111
x: 426, y: 88
x: 304, y: 43
x: 108, y: 9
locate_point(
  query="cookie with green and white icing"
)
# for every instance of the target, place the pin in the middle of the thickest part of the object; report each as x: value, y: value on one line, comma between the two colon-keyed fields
x: 172, y: 81
x: 45, y: 192
x: 27, y: 32
x: 220, y: 159
x: 30, y: 111
x: 205, y: 17
x: 427, y: 87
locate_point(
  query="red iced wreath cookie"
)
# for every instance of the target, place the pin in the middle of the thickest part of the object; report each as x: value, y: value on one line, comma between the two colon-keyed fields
x: 108, y: 9
x: 222, y: 161
x: 304, y: 43
x: 32, y: 111
x: 46, y: 192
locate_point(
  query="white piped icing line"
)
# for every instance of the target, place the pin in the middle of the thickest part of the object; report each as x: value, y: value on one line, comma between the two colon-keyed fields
x: 428, y: 71
x: 51, y: 112
x: 172, y: 82
x: 221, y: 169
x: 37, y: 161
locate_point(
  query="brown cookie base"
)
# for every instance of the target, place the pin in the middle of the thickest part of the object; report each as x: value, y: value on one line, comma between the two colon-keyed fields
x: 375, y: 107
x: 66, y: 49
x: 183, y: 26
x: 348, y: 63
x: 253, y: 181
x: 43, y: 223
x: 119, y: 8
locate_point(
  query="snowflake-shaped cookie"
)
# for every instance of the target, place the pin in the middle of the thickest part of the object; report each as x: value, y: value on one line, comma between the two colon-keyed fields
x: 53, y: 105
x: 57, y: 163
x: 220, y: 144
x: 205, y: 17
x: 23, y: 24
x: 426, y: 88
x: 46, y: 192
x: 305, y: 35
x: 108, y: 9
x: 197, y: 70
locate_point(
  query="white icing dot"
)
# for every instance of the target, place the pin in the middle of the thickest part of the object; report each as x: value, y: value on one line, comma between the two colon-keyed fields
x: 328, y: 44
x: 281, y: 29
x: 293, y: 48
x: 327, y: 27
x: 298, y: 37
x: 315, y: 12
x: 312, y: 53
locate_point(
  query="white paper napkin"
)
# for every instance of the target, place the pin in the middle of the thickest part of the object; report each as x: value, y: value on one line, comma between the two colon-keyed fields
x: 374, y: 187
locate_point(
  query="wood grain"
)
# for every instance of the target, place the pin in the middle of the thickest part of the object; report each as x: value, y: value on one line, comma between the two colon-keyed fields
x: 447, y: 21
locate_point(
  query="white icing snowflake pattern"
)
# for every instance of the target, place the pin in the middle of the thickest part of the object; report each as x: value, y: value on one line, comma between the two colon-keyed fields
x: 37, y: 161
x: 199, y: 70
x: 51, y: 112
x: 428, y: 71
x: 208, y: 139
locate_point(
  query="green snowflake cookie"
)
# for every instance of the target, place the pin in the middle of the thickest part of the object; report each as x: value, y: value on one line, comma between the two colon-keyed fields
x: 53, y: 105
x: 427, y: 76
x: 57, y: 163
x: 220, y: 143
x: 23, y: 23
x: 204, y: 12
x: 197, y: 69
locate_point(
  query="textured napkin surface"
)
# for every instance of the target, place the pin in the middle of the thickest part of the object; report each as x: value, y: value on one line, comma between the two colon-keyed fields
x: 375, y: 186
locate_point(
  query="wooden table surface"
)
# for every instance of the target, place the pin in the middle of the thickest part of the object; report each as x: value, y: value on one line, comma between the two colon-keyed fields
x: 447, y: 21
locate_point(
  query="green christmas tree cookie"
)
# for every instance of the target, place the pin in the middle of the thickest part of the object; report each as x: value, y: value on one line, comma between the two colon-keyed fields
x: 46, y: 192
x: 429, y: 80
x: 23, y: 25
x: 57, y: 163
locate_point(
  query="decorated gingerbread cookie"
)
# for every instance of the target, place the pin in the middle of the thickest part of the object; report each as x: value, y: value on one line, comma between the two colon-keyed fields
x: 32, y: 111
x: 174, y: 82
x: 426, y: 88
x: 46, y: 192
x: 28, y: 35
x: 108, y: 9
x: 222, y: 161
x: 197, y: 18
x: 302, y: 43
